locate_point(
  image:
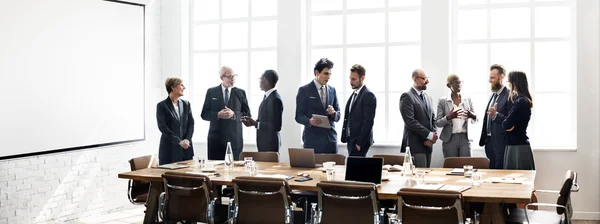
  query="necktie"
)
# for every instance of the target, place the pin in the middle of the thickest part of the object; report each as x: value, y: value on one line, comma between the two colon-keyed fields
x: 424, y: 102
x: 489, y: 118
x: 226, y: 97
x: 323, y: 97
x: 260, y: 107
x: 352, y: 101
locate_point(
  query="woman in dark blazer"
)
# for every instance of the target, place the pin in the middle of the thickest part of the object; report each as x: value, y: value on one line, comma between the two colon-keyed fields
x: 175, y: 122
x: 518, y: 154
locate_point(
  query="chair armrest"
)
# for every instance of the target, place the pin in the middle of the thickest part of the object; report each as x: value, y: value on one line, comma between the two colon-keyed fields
x: 161, y: 206
x: 546, y: 191
x: 545, y: 205
x: 129, y: 186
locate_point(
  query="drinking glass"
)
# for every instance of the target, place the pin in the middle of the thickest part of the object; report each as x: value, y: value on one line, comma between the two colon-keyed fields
x: 421, y: 176
x: 247, y: 161
x: 252, y: 168
x: 477, y: 179
x: 468, y: 170
x: 330, y: 173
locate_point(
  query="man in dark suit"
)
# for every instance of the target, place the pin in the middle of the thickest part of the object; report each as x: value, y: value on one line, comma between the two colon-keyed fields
x: 493, y: 136
x: 176, y: 124
x: 318, y: 98
x: 270, y: 112
x: 359, y: 115
x: 224, y: 106
x: 419, y: 120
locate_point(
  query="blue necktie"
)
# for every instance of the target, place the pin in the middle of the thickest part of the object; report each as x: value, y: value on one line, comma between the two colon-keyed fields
x: 226, y: 97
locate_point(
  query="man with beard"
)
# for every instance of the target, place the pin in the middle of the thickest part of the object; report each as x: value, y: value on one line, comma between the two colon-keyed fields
x: 419, y: 120
x: 493, y: 136
x: 359, y: 115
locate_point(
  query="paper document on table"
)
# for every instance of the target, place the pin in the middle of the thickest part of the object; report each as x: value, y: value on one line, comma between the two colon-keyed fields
x: 324, y: 121
x: 428, y: 186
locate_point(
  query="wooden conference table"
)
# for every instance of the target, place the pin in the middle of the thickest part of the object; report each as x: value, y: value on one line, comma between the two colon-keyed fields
x: 492, y: 194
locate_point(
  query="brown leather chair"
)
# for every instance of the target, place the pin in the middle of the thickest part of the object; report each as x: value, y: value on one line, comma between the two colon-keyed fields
x: 137, y: 191
x: 429, y: 206
x: 459, y: 162
x: 348, y: 202
x: 339, y: 159
x: 563, y: 212
x: 391, y: 159
x: 261, y: 156
x: 190, y: 197
x: 262, y: 200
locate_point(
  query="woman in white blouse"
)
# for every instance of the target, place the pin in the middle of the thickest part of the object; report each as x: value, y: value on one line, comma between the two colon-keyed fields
x: 453, y: 112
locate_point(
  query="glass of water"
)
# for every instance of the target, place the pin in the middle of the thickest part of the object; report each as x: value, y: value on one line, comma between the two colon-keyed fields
x: 247, y: 161
x: 252, y: 168
x: 477, y: 179
x: 420, y: 176
x: 468, y: 170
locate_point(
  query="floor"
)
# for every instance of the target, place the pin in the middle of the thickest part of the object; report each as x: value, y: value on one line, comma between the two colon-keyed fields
x: 136, y: 216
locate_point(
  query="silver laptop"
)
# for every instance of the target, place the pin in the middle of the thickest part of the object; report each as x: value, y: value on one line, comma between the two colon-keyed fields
x: 302, y: 157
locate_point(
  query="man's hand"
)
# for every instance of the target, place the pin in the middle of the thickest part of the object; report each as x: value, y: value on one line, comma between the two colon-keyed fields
x: 314, y: 122
x: 357, y: 147
x: 230, y: 113
x: 330, y: 110
x: 223, y: 114
x: 493, y: 110
x: 453, y: 114
x: 248, y: 121
x: 428, y: 143
x: 435, y: 137
x: 185, y: 144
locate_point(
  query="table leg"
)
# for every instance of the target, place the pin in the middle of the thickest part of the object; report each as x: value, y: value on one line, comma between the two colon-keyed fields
x: 152, y: 203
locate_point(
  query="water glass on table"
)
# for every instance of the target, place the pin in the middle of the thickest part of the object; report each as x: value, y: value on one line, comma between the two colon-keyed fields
x: 247, y: 161
x: 420, y: 176
x: 252, y: 168
x: 468, y: 170
x: 477, y: 179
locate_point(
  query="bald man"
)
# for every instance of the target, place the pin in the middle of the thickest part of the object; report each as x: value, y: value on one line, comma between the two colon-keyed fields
x: 419, y: 120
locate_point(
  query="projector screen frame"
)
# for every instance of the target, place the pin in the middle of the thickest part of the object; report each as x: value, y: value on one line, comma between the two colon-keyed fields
x: 61, y: 150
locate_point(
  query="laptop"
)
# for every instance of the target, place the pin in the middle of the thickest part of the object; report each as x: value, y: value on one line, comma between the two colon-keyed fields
x: 364, y: 169
x: 304, y: 158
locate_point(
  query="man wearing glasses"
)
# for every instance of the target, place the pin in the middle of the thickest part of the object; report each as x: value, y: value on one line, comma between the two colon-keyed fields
x: 419, y: 120
x: 224, y: 106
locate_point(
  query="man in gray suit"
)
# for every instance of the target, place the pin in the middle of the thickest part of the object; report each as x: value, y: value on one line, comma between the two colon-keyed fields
x: 419, y: 120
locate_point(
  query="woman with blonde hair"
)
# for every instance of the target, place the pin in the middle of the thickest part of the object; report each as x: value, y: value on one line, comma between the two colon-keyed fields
x: 518, y: 154
x: 453, y: 112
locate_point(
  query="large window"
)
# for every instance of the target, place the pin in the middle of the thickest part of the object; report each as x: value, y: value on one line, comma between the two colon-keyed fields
x: 536, y: 37
x: 382, y: 35
x: 241, y: 34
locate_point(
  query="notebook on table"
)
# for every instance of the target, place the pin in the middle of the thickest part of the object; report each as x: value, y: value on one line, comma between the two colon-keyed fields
x: 172, y: 166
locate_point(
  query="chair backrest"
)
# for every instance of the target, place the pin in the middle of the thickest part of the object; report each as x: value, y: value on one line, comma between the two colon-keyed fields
x: 261, y: 156
x: 257, y: 196
x: 347, y: 202
x: 391, y: 159
x: 339, y: 159
x: 138, y: 190
x: 564, y: 198
x: 459, y: 162
x: 429, y: 206
x: 188, y: 197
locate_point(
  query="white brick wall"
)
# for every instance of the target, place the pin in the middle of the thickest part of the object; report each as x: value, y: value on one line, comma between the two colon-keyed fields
x: 63, y: 187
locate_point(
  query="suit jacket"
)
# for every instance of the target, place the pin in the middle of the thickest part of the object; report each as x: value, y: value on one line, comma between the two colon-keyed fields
x: 173, y: 130
x: 225, y: 130
x: 498, y: 133
x: 419, y: 121
x: 269, y: 120
x: 360, y: 119
x: 444, y: 107
x: 308, y: 102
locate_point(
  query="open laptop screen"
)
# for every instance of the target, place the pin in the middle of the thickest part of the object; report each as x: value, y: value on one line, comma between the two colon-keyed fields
x: 364, y: 169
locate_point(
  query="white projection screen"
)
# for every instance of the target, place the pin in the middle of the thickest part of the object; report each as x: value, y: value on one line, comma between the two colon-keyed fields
x: 72, y: 75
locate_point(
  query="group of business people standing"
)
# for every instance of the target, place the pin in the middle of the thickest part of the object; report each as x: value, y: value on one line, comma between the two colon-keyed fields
x: 504, y: 124
x: 226, y: 107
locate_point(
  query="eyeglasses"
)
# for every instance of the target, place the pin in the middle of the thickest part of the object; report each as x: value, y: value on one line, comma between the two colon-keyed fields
x: 424, y: 78
x: 231, y: 76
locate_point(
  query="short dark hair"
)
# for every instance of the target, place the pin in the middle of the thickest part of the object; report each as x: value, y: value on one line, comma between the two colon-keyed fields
x: 322, y: 64
x: 359, y: 69
x: 498, y: 68
x: 271, y: 76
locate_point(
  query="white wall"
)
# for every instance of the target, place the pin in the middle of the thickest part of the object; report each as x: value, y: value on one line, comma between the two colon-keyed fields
x: 63, y: 187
